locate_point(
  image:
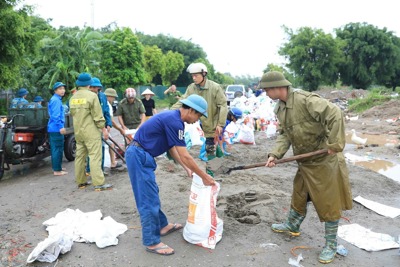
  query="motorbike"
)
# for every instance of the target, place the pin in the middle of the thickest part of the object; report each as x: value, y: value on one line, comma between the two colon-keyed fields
x: 24, y: 137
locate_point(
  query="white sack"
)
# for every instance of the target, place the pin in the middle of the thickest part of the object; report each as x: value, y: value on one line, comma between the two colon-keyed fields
x: 203, y: 227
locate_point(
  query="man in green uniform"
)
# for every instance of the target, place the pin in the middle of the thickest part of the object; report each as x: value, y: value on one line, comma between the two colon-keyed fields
x: 217, y: 110
x: 173, y: 95
x: 88, y: 123
x: 131, y: 112
x: 308, y: 123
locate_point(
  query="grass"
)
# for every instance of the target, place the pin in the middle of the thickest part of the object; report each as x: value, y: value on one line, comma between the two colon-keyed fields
x: 375, y: 97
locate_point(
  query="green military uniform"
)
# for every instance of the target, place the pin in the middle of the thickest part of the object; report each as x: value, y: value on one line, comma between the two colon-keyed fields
x: 307, y: 124
x: 217, y: 110
x: 131, y: 112
x: 172, y: 97
x: 88, y: 123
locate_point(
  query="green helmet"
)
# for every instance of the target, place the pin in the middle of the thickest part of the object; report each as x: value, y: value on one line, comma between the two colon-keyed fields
x: 273, y: 79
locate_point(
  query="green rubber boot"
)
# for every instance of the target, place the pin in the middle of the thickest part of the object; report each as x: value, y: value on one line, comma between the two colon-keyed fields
x: 329, y: 251
x: 292, y: 224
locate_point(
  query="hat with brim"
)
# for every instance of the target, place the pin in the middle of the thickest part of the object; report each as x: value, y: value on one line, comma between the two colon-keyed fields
x: 273, y: 79
x: 84, y: 79
x: 111, y: 92
x: 197, y: 103
x: 96, y: 82
x: 147, y: 92
x: 38, y: 99
x: 57, y: 85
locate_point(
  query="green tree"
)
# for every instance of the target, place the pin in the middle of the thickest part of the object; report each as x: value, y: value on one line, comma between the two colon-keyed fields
x: 173, y: 66
x: 15, y: 41
x: 70, y: 52
x: 122, y: 61
x: 370, y: 55
x: 152, y: 61
x: 190, y: 51
x: 313, y: 57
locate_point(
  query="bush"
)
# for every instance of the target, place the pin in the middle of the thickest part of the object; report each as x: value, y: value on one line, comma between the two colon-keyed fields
x: 374, y: 98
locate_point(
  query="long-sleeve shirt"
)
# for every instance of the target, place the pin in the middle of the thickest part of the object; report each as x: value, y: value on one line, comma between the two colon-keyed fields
x: 105, y: 108
x: 56, y: 113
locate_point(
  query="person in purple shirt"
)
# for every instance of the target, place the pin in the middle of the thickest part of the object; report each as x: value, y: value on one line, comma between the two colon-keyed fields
x: 55, y: 128
x: 161, y: 133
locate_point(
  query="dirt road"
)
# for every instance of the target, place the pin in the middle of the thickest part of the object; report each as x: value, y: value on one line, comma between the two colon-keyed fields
x: 30, y: 195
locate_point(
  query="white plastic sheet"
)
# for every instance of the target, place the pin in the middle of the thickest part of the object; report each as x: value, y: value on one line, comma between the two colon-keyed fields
x: 378, y: 208
x: 366, y: 239
x: 74, y: 225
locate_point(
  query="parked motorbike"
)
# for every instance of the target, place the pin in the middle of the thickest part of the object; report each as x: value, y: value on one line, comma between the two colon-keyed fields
x: 24, y: 137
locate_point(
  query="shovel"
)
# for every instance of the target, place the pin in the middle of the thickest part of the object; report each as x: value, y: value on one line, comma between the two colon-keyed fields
x: 262, y: 164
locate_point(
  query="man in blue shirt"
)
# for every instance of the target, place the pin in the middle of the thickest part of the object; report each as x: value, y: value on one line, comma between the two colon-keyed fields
x: 21, y: 99
x: 161, y: 133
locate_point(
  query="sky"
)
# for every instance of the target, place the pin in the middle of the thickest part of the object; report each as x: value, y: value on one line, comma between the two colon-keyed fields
x: 239, y: 37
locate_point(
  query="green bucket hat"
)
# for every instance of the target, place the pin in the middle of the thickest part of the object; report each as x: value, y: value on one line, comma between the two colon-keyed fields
x: 273, y: 79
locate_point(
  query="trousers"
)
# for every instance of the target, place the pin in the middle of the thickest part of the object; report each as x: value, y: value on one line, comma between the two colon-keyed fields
x: 57, y: 150
x: 141, y: 167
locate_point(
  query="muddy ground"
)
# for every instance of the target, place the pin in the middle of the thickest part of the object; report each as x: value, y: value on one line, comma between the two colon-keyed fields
x: 30, y: 195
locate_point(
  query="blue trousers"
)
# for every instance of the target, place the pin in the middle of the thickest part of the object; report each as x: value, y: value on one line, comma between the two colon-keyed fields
x: 141, y: 167
x: 57, y: 150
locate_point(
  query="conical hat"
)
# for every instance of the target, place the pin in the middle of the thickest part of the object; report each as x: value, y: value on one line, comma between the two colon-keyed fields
x: 147, y: 92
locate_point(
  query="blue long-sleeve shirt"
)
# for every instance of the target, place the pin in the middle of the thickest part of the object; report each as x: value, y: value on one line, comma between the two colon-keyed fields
x: 105, y: 108
x: 56, y: 113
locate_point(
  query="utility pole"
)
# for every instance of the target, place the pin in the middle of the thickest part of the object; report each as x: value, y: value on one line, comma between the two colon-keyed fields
x: 92, y: 4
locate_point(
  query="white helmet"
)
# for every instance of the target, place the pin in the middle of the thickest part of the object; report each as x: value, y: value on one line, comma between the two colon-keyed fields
x: 197, y: 68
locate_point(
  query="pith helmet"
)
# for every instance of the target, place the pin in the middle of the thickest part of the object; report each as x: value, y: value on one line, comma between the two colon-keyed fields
x: 197, y: 103
x: 196, y: 68
x: 273, y: 79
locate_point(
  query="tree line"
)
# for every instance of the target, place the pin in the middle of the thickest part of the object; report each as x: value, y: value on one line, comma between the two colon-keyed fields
x: 33, y: 54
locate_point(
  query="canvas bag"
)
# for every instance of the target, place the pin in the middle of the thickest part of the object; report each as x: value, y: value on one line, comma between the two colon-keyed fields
x: 203, y: 227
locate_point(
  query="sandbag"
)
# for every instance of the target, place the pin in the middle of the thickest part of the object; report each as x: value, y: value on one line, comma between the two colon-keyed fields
x: 203, y: 226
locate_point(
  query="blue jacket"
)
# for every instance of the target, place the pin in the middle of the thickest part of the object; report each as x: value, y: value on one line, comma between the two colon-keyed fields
x: 18, y: 100
x: 105, y: 108
x: 56, y: 113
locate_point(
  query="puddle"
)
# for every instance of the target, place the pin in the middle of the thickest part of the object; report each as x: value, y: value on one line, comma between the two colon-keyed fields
x: 385, y: 167
x: 380, y: 140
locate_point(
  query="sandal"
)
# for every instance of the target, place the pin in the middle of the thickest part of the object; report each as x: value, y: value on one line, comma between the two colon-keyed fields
x: 157, y: 250
x: 83, y: 186
x: 174, y: 228
x: 60, y: 173
x: 103, y: 187
x: 118, y: 165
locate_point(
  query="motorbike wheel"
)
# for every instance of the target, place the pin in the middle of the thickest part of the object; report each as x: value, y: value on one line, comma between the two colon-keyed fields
x: 2, y: 157
x: 70, y: 148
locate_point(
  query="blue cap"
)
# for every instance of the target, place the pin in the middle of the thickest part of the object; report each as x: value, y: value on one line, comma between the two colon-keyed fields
x: 236, y: 112
x: 197, y: 103
x: 58, y: 84
x: 84, y: 79
x: 38, y: 98
x: 96, y: 82
x: 22, y: 92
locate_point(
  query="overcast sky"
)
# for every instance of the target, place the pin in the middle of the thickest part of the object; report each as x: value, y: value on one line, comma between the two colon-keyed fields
x: 240, y: 37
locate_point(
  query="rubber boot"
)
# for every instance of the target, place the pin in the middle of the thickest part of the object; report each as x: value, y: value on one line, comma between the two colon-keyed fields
x: 329, y: 251
x: 292, y: 224
x: 203, y: 152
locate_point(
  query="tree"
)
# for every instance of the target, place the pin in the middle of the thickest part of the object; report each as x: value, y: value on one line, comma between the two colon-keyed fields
x: 313, y: 56
x: 122, y: 61
x: 370, y: 55
x: 190, y: 51
x: 152, y: 61
x: 173, y: 66
x: 15, y: 41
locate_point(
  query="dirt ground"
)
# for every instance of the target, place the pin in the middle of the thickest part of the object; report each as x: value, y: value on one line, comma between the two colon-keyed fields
x: 30, y: 195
